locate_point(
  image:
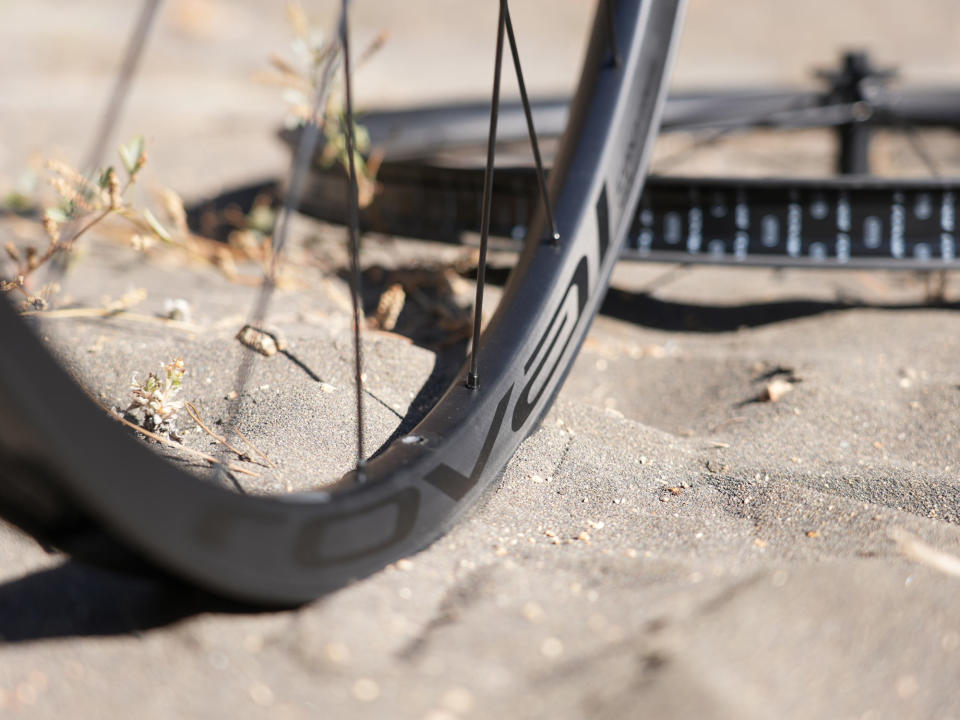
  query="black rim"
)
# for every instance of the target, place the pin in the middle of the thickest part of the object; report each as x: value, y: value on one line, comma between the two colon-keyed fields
x: 418, y: 132
x: 289, y: 549
x: 840, y: 222
x: 430, y: 189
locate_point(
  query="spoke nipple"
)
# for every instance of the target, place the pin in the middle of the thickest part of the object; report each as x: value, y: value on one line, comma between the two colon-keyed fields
x: 556, y: 238
x: 473, y: 381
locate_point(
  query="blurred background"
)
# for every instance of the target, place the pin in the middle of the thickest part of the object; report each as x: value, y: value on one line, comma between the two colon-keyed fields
x: 209, y: 113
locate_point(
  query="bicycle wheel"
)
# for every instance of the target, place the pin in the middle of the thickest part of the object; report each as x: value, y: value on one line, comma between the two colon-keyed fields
x: 854, y: 220
x: 290, y: 548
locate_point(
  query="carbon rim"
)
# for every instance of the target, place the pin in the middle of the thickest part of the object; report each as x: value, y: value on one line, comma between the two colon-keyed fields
x: 289, y: 549
x: 855, y: 220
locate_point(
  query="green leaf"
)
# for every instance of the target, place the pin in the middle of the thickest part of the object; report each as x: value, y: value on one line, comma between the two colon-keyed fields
x: 56, y: 214
x: 159, y: 230
x: 361, y: 136
x: 104, y: 180
x: 17, y: 202
x: 132, y: 154
x: 262, y: 219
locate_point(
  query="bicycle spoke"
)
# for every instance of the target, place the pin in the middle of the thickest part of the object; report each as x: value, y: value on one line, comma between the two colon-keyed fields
x: 121, y: 87
x: 353, y: 225
x: 473, y: 376
x: 534, y: 145
x: 612, y: 34
x: 108, y: 123
x: 789, y: 119
x: 706, y: 139
x: 300, y: 165
x: 913, y: 139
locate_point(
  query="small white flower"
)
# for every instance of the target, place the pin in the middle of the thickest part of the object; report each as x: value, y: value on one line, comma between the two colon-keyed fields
x: 177, y: 309
x: 154, y: 397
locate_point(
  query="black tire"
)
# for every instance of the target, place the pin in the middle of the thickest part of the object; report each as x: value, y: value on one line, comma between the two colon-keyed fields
x: 854, y: 221
x: 282, y: 550
x: 843, y: 222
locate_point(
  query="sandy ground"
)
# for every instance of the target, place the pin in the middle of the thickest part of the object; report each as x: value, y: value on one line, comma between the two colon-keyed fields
x: 663, y: 546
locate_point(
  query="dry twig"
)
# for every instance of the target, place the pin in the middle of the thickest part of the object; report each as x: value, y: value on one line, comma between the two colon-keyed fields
x: 167, y: 441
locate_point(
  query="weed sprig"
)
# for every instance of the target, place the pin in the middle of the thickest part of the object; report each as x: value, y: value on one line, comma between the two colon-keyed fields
x: 303, y: 80
x: 154, y: 399
x: 85, y: 201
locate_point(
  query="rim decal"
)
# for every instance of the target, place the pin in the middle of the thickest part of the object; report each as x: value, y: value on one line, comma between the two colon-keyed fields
x: 454, y: 484
x: 573, y: 305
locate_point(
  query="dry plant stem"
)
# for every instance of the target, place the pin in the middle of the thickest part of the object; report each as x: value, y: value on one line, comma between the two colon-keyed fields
x: 915, y: 549
x: 167, y: 441
x: 59, y: 244
x: 112, y: 313
x: 195, y: 416
x: 90, y: 224
x: 389, y: 334
x: 430, y: 306
x: 372, y: 48
x: 22, y: 290
x: 253, y: 447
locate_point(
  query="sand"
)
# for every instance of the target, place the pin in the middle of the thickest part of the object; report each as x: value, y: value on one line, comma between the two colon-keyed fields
x: 668, y: 543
